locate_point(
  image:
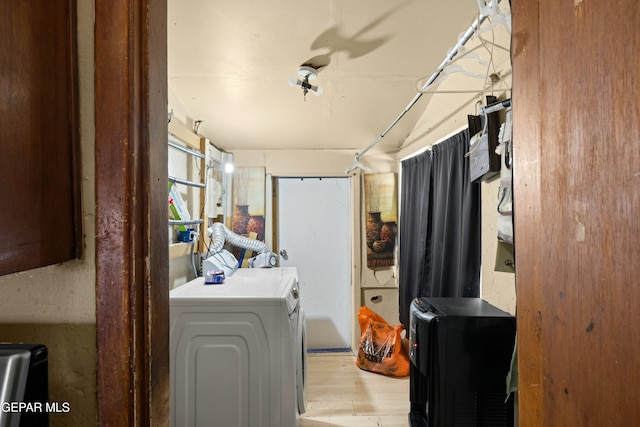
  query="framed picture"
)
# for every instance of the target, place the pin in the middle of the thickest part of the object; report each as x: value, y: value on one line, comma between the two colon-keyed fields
x: 248, y: 206
x: 381, y: 210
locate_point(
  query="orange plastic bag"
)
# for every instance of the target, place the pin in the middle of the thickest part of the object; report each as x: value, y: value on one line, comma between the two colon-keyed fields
x: 380, y: 347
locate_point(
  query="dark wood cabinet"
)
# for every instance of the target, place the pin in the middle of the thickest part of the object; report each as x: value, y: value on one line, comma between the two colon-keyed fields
x: 40, y: 209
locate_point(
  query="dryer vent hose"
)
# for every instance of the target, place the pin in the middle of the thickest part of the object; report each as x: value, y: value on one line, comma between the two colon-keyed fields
x: 220, y: 234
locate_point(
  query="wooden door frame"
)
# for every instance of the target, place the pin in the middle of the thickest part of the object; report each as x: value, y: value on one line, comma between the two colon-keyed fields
x: 132, y: 291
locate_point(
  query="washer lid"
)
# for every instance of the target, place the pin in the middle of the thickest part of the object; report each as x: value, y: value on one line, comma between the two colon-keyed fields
x: 246, y: 283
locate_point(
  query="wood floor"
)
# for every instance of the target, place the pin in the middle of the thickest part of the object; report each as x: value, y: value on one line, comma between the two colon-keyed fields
x: 341, y: 394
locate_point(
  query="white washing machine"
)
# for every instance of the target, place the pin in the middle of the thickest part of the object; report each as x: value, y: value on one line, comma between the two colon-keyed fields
x: 238, y: 351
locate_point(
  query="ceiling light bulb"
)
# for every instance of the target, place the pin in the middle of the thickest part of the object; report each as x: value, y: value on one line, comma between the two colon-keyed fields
x: 294, y: 82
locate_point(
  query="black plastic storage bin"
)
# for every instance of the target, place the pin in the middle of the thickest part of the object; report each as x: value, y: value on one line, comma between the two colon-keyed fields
x: 460, y: 351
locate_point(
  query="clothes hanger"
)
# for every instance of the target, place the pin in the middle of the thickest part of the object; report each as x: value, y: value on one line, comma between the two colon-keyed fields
x: 453, y: 66
x: 496, y: 14
x: 490, y: 80
x: 358, y: 165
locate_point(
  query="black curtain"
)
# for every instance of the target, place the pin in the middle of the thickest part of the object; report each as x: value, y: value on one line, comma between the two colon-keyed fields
x: 440, y: 241
x: 414, y: 220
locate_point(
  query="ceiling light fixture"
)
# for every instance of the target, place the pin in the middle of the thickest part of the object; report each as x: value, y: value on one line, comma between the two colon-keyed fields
x: 226, y: 167
x: 306, y: 73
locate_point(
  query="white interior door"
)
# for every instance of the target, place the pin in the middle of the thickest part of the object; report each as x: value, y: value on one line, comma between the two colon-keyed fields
x: 313, y: 230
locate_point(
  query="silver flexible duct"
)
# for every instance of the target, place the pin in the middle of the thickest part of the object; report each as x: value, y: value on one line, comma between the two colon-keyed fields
x: 220, y: 234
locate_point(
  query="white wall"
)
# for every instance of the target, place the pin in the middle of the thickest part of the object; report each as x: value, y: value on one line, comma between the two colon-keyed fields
x: 55, y: 305
x: 497, y: 287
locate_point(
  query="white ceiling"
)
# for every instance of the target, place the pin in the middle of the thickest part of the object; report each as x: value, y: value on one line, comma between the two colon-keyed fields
x: 230, y: 61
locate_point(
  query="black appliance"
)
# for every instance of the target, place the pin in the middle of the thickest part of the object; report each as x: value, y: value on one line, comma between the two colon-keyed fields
x: 460, y: 351
x: 24, y: 385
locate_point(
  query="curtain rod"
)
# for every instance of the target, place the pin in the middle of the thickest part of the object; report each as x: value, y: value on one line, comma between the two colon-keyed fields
x: 496, y: 106
x: 450, y: 55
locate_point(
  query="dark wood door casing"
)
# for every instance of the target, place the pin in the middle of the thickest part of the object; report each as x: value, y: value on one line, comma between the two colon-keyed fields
x: 576, y: 207
x: 131, y: 213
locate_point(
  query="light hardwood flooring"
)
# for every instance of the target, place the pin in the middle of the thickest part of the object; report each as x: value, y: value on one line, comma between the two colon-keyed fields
x: 341, y: 394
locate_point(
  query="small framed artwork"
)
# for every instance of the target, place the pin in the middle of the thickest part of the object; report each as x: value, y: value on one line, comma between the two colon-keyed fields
x: 248, y: 206
x: 381, y: 210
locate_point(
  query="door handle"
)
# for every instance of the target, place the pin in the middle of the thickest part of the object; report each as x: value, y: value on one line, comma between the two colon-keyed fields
x: 283, y: 254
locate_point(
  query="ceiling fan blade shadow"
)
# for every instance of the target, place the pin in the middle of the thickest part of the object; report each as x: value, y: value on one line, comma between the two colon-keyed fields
x: 357, y: 45
x: 354, y: 47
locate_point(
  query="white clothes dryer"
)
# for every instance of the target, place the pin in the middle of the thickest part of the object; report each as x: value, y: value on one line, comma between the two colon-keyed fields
x: 237, y: 353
